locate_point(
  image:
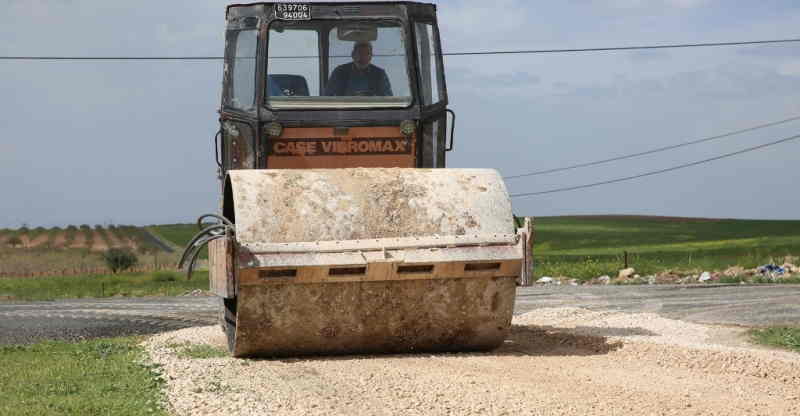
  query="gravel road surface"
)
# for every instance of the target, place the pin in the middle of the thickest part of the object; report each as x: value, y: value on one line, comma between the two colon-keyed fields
x: 558, y: 361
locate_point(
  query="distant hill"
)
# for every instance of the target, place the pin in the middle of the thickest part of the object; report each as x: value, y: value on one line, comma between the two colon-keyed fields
x: 93, y: 238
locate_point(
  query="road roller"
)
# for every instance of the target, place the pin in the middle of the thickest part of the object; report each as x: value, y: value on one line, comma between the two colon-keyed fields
x: 340, y: 231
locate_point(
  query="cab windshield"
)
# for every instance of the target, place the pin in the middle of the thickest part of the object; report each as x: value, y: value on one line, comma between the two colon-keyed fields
x: 337, y: 64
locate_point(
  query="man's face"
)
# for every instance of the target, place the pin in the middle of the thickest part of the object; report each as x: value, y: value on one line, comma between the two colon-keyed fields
x: 362, y: 55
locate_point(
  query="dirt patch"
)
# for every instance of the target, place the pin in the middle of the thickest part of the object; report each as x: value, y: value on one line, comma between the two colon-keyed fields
x: 40, y: 240
x: 26, y: 241
x: 128, y: 242
x: 59, y: 240
x: 79, y: 241
x: 113, y: 241
x: 99, y: 242
x: 556, y: 361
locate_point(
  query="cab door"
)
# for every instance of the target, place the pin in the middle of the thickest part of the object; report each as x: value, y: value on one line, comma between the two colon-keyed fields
x: 432, y: 94
x: 235, y: 144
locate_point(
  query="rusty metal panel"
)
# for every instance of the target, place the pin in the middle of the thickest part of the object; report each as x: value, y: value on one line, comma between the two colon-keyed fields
x: 238, y: 142
x: 374, y: 317
x: 526, y: 236
x: 290, y: 206
x: 345, y: 147
x: 221, y: 269
x: 378, y: 272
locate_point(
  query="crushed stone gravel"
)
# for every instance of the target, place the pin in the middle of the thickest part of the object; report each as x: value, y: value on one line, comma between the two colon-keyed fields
x: 556, y: 361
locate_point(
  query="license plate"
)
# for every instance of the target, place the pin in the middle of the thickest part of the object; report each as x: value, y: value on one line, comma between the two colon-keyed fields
x: 292, y: 11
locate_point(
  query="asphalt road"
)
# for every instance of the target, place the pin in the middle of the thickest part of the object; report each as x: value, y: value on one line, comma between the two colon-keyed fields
x: 75, y: 319
x: 26, y: 322
x: 743, y: 305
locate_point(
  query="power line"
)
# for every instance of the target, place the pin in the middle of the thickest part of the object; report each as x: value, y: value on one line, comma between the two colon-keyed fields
x: 699, y: 162
x: 628, y: 48
x: 111, y: 58
x: 511, y: 52
x: 647, y: 152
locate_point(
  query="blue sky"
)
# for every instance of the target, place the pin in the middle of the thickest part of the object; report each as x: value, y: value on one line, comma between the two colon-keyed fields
x: 130, y: 142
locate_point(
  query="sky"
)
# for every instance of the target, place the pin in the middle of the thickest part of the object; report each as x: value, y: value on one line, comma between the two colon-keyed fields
x: 131, y: 142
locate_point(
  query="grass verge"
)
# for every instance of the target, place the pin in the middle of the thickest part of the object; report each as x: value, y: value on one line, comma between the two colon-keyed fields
x: 124, y: 284
x: 104, y: 376
x: 782, y: 337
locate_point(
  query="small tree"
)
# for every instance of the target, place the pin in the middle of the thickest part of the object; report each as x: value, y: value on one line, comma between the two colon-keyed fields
x: 119, y: 259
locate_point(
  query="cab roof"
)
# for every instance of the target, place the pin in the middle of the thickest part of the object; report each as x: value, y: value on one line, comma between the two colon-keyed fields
x: 333, y: 4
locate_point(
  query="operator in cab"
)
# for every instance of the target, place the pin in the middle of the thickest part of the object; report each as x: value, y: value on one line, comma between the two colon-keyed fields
x: 360, y: 77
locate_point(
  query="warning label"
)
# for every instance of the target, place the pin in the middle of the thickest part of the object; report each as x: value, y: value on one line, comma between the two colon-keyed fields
x: 338, y: 146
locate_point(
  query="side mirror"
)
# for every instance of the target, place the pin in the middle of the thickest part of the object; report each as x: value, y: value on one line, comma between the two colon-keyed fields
x: 357, y: 32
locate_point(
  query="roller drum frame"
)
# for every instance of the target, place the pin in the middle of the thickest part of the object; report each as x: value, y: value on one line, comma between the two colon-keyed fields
x: 367, y: 261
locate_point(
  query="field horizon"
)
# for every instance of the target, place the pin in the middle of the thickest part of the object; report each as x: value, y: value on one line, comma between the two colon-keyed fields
x: 577, y: 246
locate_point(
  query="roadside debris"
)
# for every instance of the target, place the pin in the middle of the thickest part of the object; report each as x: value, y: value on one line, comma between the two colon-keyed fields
x: 626, y: 273
x: 771, y: 270
x: 734, y: 274
x: 734, y: 271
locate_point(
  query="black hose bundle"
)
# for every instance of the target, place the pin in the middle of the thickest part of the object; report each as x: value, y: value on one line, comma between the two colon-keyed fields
x: 210, y: 232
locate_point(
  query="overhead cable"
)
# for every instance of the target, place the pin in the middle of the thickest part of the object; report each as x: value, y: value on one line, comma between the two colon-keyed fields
x: 647, y: 152
x: 626, y: 48
x: 510, y: 52
x: 627, y: 178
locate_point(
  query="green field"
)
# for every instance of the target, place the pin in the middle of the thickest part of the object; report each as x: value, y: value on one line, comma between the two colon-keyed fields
x: 161, y: 283
x: 591, y: 246
x: 780, y: 336
x: 96, y: 377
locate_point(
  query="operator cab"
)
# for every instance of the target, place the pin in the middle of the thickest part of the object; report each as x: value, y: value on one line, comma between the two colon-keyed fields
x: 366, y: 66
x: 332, y: 85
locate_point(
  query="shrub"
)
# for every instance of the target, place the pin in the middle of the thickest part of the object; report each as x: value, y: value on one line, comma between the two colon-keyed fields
x: 14, y: 241
x: 164, y: 276
x: 70, y: 233
x: 119, y: 259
